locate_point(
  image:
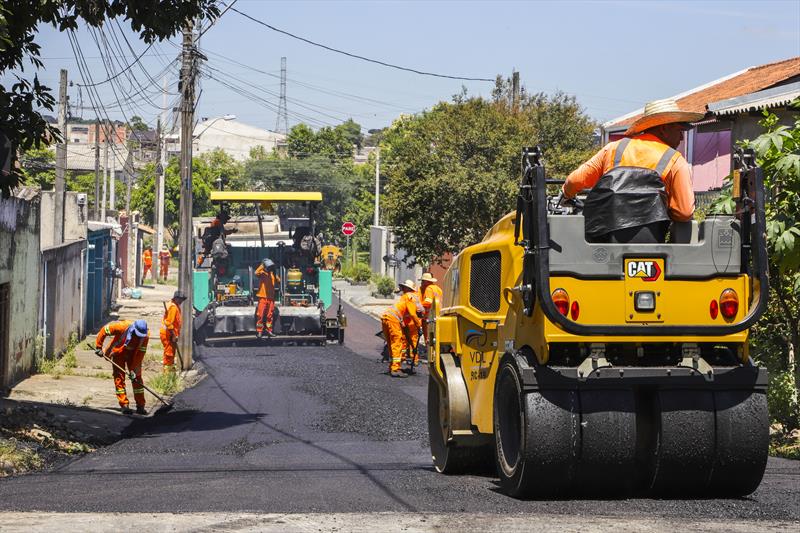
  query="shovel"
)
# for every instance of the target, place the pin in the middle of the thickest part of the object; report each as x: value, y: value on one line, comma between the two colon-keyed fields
x: 167, y: 406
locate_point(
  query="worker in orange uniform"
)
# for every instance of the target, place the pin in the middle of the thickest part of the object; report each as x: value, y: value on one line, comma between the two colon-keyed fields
x: 171, y: 329
x: 127, y: 349
x: 430, y: 293
x: 147, y: 259
x: 392, y: 322
x: 412, y: 329
x: 638, y: 183
x: 164, y: 258
x: 267, y: 281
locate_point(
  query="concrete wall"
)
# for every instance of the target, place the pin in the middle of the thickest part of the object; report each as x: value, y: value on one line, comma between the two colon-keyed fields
x: 19, y: 267
x: 63, y: 282
x: 75, y: 217
x: 382, y: 244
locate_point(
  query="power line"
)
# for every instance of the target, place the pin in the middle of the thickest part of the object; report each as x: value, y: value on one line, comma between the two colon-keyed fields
x: 120, y: 72
x: 356, y: 56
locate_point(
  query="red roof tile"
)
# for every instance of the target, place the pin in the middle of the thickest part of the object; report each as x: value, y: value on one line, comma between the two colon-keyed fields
x: 751, y: 80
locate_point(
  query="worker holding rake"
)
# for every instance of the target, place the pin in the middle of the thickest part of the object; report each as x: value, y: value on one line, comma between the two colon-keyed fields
x: 171, y: 328
x: 127, y: 349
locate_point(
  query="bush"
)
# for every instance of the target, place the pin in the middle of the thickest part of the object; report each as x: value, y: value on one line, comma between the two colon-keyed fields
x: 782, y: 400
x: 167, y: 383
x: 384, y: 285
x: 360, y: 272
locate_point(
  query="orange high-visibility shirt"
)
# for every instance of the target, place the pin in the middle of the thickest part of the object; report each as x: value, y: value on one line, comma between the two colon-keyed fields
x: 147, y: 256
x: 416, y: 302
x: 266, y: 283
x: 119, y: 330
x: 432, y: 292
x: 164, y: 257
x: 644, y: 151
x: 172, y: 319
x: 403, y: 310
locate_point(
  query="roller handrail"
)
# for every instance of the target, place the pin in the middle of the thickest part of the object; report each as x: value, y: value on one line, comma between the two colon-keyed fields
x: 532, y: 205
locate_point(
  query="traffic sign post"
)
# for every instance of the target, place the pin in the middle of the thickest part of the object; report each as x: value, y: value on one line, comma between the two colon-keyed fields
x: 348, y: 228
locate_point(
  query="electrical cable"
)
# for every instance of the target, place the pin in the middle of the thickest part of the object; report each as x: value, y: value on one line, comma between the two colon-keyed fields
x: 356, y: 56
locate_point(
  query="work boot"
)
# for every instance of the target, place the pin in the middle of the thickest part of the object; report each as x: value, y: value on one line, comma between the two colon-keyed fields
x: 140, y: 410
x: 126, y: 410
x: 270, y: 334
x: 399, y: 374
x: 259, y: 334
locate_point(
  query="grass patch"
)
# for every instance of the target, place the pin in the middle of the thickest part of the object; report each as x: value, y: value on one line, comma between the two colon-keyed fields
x: 166, y: 383
x: 46, y: 365
x: 786, y: 445
x: 103, y: 375
x: 16, y: 459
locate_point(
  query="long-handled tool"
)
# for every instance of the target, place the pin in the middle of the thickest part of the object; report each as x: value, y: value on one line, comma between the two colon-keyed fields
x: 132, y: 375
x: 177, y: 349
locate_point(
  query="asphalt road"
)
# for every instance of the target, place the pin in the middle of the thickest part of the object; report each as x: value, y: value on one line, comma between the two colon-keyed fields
x: 302, y: 429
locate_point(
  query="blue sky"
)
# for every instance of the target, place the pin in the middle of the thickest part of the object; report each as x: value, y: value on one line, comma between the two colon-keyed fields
x: 613, y: 56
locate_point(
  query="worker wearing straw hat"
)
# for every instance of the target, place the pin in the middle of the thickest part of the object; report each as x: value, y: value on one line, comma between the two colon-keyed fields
x: 392, y: 321
x: 638, y: 183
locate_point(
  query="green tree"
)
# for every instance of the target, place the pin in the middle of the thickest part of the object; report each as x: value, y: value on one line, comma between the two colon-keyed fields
x: 38, y: 167
x: 21, y: 102
x: 776, y: 337
x: 453, y: 171
x: 301, y: 141
x: 352, y: 132
x: 137, y: 123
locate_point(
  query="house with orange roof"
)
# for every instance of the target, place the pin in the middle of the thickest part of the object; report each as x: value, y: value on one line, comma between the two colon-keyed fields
x: 732, y: 105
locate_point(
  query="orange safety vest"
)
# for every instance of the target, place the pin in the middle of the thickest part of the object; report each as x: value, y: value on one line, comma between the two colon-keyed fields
x: 414, y: 300
x: 164, y: 257
x: 147, y: 256
x: 432, y: 292
x: 172, y: 319
x: 266, y: 283
x: 402, y: 309
x: 119, y: 330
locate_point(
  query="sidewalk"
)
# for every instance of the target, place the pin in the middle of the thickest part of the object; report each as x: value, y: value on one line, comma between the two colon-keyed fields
x: 86, y: 380
x: 360, y: 297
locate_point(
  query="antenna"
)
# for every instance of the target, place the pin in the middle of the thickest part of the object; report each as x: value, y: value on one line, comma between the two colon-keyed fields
x: 282, y: 122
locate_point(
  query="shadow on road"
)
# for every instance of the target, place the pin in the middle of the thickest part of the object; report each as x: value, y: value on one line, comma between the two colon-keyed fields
x: 189, y: 420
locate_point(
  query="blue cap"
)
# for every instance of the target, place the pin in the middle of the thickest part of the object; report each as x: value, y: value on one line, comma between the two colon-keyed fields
x: 138, y: 328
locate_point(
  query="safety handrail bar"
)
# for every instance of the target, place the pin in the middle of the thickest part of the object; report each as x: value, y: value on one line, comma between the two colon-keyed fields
x: 532, y: 205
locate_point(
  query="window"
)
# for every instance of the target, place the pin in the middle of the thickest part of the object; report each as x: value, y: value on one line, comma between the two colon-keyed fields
x: 484, y: 282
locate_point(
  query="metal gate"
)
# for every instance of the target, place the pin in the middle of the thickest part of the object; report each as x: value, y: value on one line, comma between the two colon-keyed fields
x: 5, y: 318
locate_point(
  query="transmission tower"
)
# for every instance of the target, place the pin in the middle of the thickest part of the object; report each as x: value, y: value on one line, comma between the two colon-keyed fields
x: 282, y: 122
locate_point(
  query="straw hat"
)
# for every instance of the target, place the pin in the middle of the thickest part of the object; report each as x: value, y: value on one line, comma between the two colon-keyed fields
x: 660, y: 112
x: 408, y: 284
x: 427, y: 277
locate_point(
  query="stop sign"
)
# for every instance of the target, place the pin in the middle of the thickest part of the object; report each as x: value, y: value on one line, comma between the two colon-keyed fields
x: 348, y: 228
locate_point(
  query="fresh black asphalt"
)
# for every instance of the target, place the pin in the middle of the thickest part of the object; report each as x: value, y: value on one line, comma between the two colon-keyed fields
x: 305, y: 428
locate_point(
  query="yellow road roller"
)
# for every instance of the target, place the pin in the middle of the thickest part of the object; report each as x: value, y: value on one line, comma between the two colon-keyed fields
x: 604, y: 368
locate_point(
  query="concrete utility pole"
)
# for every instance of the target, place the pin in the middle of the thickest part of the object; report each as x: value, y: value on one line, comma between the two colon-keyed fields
x: 159, y: 198
x: 188, y: 72
x: 61, y: 162
x: 515, y: 91
x: 104, y: 204
x: 97, y: 199
x: 376, y: 220
x: 160, y: 173
x: 112, y: 181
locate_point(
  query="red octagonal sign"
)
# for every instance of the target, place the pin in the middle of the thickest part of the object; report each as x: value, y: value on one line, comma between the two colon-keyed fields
x: 348, y: 228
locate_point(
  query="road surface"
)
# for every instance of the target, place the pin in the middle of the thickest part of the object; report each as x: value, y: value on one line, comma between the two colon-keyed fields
x: 306, y: 429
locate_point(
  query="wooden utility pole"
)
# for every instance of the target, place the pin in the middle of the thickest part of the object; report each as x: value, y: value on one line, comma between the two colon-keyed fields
x: 97, y: 198
x: 188, y: 72
x: 61, y: 162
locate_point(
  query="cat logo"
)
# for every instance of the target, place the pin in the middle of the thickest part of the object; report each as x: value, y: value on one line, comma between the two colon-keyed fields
x: 646, y: 270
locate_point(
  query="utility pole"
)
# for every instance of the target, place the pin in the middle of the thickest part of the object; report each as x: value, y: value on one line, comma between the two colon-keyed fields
x: 376, y: 220
x: 61, y: 162
x: 104, y: 204
x: 188, y: 72
x: 515, y: 91
x: 97, y: 199
x: 160, y: 170
x: 112, y: 182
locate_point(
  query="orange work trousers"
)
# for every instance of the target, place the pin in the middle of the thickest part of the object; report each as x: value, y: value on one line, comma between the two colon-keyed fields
x: 133, y: 362
x: 410, y: 334
x: 164, y: 271
x: 393, y: 334
x: 169, y: 349
x: 147, y: 269
x: 264, y: 314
